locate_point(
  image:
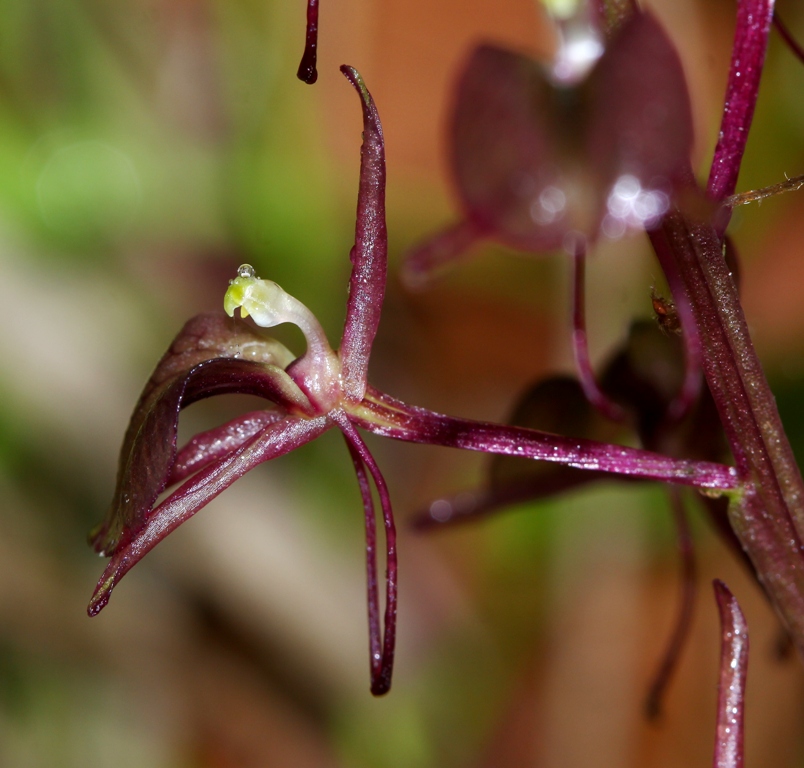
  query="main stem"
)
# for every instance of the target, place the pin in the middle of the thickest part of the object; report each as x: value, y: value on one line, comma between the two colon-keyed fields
x: 768, y: 516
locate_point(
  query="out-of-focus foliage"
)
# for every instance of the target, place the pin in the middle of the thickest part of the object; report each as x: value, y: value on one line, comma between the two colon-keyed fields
x: 147, y: 149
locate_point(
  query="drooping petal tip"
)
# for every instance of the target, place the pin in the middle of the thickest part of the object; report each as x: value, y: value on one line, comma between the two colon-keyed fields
x: 370, y: 252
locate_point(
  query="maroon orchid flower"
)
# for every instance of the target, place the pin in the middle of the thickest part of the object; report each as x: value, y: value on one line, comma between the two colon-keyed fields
x: 320, y: 390
x: 542, y: 164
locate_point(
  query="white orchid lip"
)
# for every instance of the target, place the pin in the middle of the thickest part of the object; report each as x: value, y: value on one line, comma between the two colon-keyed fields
x: 268, y: 304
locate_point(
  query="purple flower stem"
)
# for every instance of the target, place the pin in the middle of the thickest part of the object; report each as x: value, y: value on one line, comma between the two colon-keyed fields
x: 748, y: 56
x: 274, y: 440
x: 580, y: 343
x: 693, y: 356
x: 787, y: 36
x: 307, y: 72
x: 381, y: 666
x: 445, y: 247
x: 370, y: 253
x: 681, y: 630
x: 768, y: 517
x: 731, y: 687
x: 386, y: 416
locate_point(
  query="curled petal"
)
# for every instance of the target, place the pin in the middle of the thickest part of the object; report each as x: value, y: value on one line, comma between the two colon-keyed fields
x: 208, y: 336
x: 192, y: 369
x: 370, y: 253
x: 731, y: 687
x: 270, y: 442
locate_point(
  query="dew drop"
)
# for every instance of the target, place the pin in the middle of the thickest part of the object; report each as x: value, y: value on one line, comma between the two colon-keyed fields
x: 245, y: 270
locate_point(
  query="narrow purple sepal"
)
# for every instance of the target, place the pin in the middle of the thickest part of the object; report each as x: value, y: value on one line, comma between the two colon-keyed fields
x: 747, y: 59
x: 381, y: 652
x: 370, y: 253
x: 731, y: 687
x: 392, y: 418
x: 214, y: 444
x: 270, y: 442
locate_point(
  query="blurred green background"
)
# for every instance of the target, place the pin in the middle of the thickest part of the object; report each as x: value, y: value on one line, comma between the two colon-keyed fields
x: 148, y: 148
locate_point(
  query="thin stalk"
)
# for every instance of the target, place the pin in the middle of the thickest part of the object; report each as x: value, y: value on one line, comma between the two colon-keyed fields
x: 580, y: 342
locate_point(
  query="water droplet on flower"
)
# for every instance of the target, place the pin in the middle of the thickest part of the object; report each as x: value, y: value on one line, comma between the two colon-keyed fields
x: 245, y: 270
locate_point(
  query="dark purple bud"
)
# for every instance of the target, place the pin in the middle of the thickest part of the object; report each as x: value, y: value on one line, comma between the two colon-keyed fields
x: 307, y: 72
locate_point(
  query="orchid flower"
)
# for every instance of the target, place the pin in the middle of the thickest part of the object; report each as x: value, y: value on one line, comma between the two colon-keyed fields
x: 515, y: 192
x: 322, y: 389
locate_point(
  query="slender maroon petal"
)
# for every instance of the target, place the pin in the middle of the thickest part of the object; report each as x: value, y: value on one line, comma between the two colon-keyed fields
x: 386, y: 416
x: 307, y: 72
x: 787, y: 36
x: 206, y: 447
x: 747, y: 59
x: 370, y: 253
x: 381, y: 674
x: 580, y: 344
x: 443, y: 248
x: 272, y: 441
x: 375, y: 630
x: 149, y: 450
x: 681, y: 630
x: 731, y: 687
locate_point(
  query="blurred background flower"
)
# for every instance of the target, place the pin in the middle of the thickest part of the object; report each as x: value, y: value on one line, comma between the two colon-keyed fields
x: 147, y: 149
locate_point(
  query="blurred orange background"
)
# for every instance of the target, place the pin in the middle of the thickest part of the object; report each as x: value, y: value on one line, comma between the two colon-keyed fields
x: 147, y: 149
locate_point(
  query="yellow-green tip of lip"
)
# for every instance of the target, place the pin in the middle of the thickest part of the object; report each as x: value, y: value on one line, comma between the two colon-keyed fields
x: 236, y: 294
x: 234, y: 298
